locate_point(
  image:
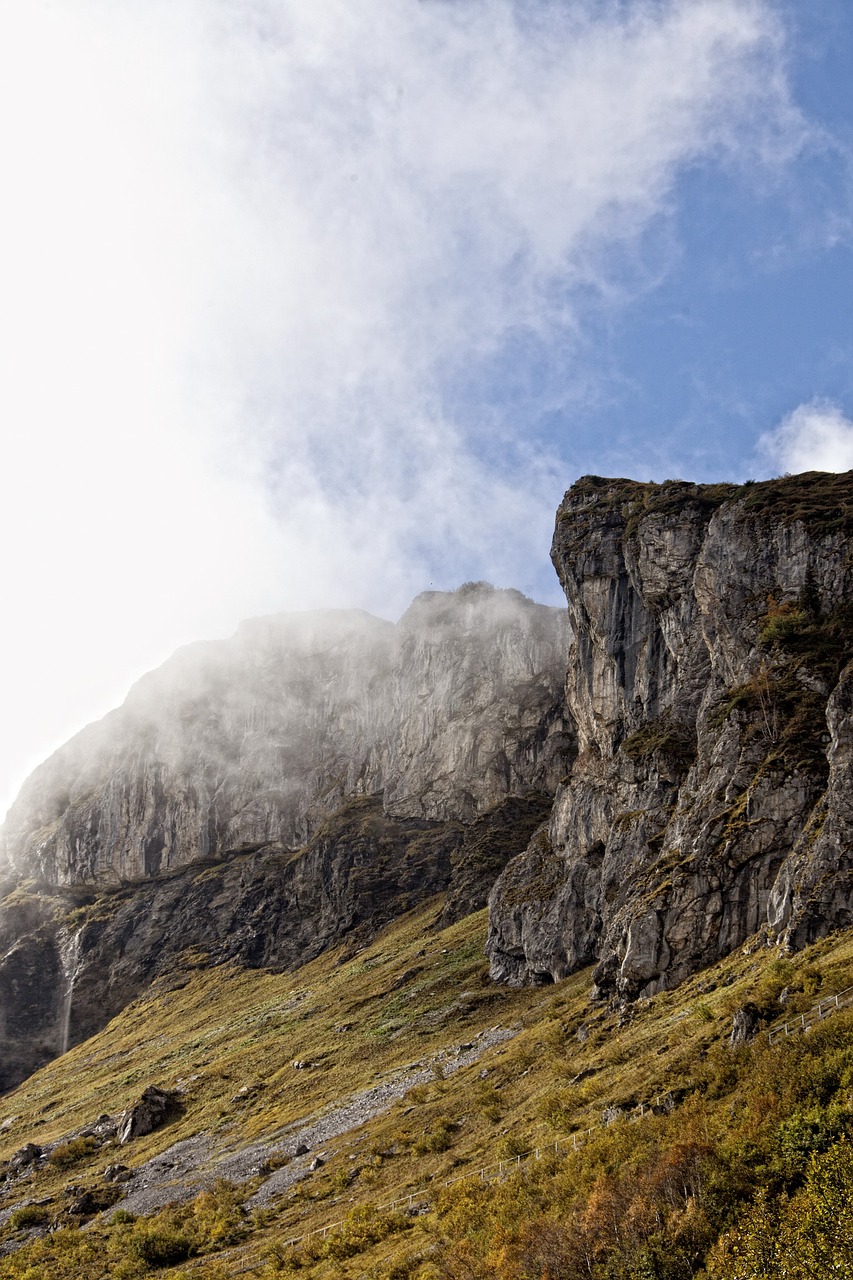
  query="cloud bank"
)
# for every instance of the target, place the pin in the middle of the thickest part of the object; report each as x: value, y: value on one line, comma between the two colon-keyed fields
x: 263, y: 257
x: 813, y: 437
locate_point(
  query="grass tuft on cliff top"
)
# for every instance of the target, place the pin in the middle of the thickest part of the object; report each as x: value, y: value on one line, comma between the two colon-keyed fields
x: 822, y: 501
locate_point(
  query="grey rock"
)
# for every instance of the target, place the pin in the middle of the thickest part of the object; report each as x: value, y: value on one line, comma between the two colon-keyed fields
x: 744, y: 1025
x: 25, y: 1157
x: 251, y: 741
x: 146, y: 1115
x: 710, y: 796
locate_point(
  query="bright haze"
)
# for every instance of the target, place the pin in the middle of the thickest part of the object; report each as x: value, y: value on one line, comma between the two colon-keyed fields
x: 324, y: 304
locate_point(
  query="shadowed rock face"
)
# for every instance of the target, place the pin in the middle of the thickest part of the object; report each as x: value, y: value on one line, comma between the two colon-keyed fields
x: 710, y: 686
x: 262, y: 798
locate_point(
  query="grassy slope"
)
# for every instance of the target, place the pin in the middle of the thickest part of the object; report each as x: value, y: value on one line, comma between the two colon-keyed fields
x: 410, y: 995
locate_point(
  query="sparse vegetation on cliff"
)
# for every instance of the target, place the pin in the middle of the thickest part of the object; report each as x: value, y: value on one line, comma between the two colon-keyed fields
x: 674, y: 742
x: 821, y: 500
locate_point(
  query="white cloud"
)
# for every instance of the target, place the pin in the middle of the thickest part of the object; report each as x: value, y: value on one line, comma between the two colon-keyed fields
x: 814, y: 437
x: 254, y: 252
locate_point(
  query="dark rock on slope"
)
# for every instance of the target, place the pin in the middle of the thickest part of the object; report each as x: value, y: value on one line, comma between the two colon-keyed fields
x: 711, y: 689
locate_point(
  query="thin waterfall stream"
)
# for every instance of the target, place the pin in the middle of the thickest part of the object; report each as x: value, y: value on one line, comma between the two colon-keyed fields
x: 70, y: 957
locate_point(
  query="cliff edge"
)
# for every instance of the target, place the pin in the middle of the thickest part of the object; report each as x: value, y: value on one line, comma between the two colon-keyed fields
x: 710, y: 685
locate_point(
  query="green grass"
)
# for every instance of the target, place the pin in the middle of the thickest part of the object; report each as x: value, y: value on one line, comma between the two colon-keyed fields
x: 229, y: 1027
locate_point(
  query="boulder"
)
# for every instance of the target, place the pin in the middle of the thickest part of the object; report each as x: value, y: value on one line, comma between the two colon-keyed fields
x: 153, y: 1109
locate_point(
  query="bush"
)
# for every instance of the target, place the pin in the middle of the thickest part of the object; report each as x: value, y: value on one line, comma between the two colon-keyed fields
x: 29, y: 1215
x: 73, y: 1152
x: 782, y: 624
x: 160, y: 1246
x: 360, y: 1229
x: 808, y: 1132
x: 511, y: 1146
x: 437, y: 1138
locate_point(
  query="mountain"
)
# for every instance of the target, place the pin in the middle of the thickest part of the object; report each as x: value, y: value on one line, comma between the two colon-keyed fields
x: 242, y: 925
x: 640, y: 784
x: 396, y: 1115
x: 263, y: 797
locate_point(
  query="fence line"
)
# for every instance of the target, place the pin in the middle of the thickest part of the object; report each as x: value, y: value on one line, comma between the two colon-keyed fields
x: 816, y: 1014
x: 501, y: 1168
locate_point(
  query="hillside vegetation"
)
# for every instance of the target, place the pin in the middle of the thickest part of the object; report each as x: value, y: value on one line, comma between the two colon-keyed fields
x: 694, y: 1158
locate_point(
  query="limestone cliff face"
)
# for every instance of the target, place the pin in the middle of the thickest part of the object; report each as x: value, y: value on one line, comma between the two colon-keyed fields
x: 266, y: 797
x: 710, y: 687
x: 253, y: 741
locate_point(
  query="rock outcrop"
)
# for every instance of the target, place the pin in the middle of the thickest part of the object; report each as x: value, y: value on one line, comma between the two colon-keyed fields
x: 710, y: 685
x: 261, y: 799
x: 236, y: 744
x: 151, y: 1110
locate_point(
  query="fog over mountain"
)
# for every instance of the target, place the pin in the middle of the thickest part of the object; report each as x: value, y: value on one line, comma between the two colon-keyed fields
x: 313, y: 306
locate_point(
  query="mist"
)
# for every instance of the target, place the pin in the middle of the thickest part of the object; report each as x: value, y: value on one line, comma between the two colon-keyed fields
x: 292, y: 290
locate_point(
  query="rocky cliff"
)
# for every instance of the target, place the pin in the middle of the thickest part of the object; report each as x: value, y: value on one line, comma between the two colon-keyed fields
x: 262, y: 798
x: 254, y: 740
x: 680, y: 783
x: 710, y: 686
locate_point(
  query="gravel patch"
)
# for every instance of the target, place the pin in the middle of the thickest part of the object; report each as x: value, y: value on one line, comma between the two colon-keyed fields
x: 188, y: 1167
x: 362, y: 1107
x: 172, y: 1176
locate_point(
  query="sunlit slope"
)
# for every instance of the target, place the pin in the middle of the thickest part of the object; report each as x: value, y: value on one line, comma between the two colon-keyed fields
x: 408, y: 1008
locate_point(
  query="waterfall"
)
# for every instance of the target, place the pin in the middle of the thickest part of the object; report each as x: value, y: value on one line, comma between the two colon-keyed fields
x: 70, y: 962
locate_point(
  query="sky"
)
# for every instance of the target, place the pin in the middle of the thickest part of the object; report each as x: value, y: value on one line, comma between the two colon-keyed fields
x: 323, y: 305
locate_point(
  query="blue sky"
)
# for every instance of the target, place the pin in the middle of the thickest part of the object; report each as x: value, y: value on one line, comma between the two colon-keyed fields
x: 322, y: 305
x: 746, y: 312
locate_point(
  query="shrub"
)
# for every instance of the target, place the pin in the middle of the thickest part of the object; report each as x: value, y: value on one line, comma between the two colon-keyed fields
x: 217, y: 1216
x: 160, y: 1246
x: 360, y: 1229
x: 782, y: 624
x: 558, y: 1108
x: 438, y: 1138
x: 806, y: 1132
x: 488, y: 1102
x: 73, y: 1152
x: 28, y: 1215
